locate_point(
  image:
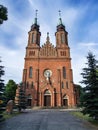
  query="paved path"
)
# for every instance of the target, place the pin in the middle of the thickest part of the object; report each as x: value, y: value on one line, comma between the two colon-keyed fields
x: 45, y: 120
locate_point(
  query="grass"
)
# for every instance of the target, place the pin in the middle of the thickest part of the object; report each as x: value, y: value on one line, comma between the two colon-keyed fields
x: 7, y: 116
x: 85, y: 117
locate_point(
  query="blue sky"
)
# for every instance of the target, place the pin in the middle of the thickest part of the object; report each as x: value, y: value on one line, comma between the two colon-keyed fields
x: 79, y: 16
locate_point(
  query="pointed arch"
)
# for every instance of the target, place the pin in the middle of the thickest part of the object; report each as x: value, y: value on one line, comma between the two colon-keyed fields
x: 30, y: 72
x: 62, y: 83
x: 47, y: 92
x: 64, y: 72
x: 65, y: 100
x: 33, y: 38
x: 47, y: 98
x: 62, y: 38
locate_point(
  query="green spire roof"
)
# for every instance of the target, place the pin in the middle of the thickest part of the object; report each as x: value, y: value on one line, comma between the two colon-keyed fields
x: 60, y: 25
x: 35, y: 21
x: 60, y: 21
x: 35, y: 25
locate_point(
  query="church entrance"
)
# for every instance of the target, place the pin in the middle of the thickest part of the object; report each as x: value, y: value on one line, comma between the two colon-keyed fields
x: 29, y: 100
x: 65, y: 101
x: 47, y: 98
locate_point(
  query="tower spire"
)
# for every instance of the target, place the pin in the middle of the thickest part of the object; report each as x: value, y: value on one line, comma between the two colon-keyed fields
x: 35, y: 25
x: 60, y: 19
x: 35, y: 21
x: 60, y: 25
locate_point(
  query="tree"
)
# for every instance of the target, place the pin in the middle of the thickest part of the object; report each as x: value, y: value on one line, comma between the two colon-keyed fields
x: 90, y: 79
x: 21, y: 99
x: 10, y: 90
x: 3, y: 14
x: 78, y: 94
x: 1, y: 90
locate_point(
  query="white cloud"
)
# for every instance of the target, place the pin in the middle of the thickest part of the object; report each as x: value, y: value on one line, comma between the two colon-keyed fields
x: 79, y: 54
x: 78, y: 62
x: 13, y: 62
x: 89, y: 44
x: 48, y: 18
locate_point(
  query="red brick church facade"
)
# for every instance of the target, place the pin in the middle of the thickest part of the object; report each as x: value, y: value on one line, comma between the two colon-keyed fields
x: 47, y: 74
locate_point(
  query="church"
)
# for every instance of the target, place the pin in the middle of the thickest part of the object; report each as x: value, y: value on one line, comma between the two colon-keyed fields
x: 47, y: 74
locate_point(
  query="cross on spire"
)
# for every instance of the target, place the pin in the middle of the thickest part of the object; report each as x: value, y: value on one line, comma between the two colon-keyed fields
x: 35, y: 20
x: 60, y: 19
x: 36, y: 13
x: 59, y: 13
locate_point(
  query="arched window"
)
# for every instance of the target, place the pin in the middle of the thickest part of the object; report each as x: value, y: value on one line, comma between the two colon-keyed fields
x: 31, y: 53
x: 62, y: 84
x: 57, y: 39
x: 30, y: 72
x: 64, y: 72
x: 32, y: 85
x: 67, y: 85
x: 33, y: 38
x: 47, y: 92
x: 62, y: 38
x: 63, y: 53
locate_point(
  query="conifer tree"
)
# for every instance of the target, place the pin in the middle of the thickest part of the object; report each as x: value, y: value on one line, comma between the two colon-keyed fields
x: 1, y: 91
x: 90, y: 79
x: 21, y: 99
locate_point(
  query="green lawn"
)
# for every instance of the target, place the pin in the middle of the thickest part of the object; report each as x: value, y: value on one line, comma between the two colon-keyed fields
x: 85, y: 117
x: 6, y: 116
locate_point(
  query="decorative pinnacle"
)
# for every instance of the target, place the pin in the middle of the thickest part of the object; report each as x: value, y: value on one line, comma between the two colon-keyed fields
x: 47, y: 37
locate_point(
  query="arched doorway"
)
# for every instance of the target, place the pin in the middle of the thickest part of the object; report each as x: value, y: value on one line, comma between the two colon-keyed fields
x: 65, y: 101
x: 29, y: 100
x: 47, y: 98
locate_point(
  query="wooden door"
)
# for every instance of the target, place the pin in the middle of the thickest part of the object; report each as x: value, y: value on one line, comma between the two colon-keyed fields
x: 65, y: 102
x: 29, y: 102
x: 47, y: 100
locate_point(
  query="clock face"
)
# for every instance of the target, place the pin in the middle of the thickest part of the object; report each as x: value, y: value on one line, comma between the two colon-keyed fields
x: 47, y: 73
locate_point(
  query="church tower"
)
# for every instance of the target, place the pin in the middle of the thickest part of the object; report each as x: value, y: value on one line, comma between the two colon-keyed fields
x: 47, y: 74
x: 34, y: 34
x: 61, y: 34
